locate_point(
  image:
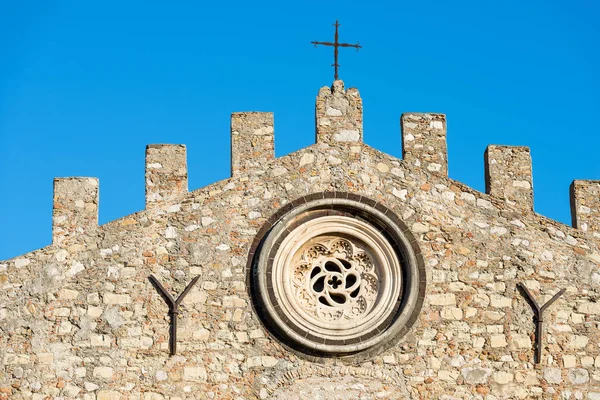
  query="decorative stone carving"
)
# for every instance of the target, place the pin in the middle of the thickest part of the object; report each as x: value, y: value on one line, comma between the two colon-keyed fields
x: 337, y: 277
x: 334, y: 279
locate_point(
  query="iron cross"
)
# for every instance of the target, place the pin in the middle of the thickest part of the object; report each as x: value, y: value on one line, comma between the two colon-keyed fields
x: 335, y: 45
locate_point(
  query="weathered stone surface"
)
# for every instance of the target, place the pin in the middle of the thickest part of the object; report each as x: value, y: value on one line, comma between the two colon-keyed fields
x: 346, y: 387
x: 80, y: 319
x: 476, y: 375
x: 447, y: 299
x: 194, y: 373
x: 424, y: 142
x: 103, y: 372
x: 508, y: 175
x: 552, y: 375
x: 585, y: 206
x: 166, y: 174
x: 252, y: 142
x: 108, y: 395
x: 74, y: 213
x: 578, y: 376
x: 339, y: 115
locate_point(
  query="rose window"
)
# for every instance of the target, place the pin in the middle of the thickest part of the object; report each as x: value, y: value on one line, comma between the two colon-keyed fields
x: 336, y: 277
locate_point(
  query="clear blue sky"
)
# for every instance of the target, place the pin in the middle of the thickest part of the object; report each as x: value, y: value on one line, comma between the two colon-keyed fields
x: 84, y: 86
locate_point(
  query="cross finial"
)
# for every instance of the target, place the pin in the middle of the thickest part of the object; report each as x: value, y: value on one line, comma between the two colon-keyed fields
x: 335, y: 45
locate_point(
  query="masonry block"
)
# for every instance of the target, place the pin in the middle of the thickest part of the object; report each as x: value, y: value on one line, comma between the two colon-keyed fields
x: 339, y: 115
x: 75, y: 208
x: 585, y: 206
x: 424, y: 141
x: 166, y: 173
x: 252, y: 141
x: 508, y: 175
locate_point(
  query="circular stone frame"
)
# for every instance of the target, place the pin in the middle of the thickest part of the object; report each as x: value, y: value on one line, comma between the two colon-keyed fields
x: 395, y: 253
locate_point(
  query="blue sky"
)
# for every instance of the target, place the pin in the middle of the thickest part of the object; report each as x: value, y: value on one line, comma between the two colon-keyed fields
x: 84, y: 86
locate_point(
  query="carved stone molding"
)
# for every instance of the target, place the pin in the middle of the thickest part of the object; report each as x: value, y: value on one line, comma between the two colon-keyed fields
x: 337, y: 276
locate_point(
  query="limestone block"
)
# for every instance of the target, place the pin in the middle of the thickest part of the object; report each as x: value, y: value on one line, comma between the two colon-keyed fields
x: 498, y: 341
x: 578, y: 376
x: 194, y: 374
x: 452, y: 313
x: 111, y: 298
x: 476, y: 375
x: 552, y: 375
x: 108, y: 395
x: 100, y: 340
x: 103, y: 372
x: 502, y: 378
x: 68, y: 294
x: 521, y: 341
x: 446, y: 299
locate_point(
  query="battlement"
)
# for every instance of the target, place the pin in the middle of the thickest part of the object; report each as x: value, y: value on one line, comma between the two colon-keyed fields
x: 75, y: 209
x: 508, y: 175
x: 585, y: 206
x: 339, y: 115
x: 424, y: 141
x: 252, y: 141
x: 334, y: 266
x: 339, y: 122
x: 166, y: 173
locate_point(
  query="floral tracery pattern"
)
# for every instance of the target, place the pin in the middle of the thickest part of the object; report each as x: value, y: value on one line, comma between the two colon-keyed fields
x: 335, y: 279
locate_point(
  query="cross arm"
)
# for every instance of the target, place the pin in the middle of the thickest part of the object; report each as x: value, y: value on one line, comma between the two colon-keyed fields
x: 357, y: 46
x: 324, y: 43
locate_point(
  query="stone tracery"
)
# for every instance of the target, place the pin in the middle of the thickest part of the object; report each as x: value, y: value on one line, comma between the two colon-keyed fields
x: 335, y: 279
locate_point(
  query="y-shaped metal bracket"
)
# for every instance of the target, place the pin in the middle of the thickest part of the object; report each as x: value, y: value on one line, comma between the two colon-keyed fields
x: 173, y: 307
x: 537, y: 318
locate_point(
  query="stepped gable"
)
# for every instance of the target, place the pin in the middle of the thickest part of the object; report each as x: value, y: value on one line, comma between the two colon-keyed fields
x: 336, y: 270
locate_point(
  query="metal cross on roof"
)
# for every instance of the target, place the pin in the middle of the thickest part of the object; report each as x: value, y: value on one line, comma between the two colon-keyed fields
x: 335, y: 45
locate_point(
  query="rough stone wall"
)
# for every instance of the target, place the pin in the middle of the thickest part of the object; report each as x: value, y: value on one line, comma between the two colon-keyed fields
x: 84, y: 321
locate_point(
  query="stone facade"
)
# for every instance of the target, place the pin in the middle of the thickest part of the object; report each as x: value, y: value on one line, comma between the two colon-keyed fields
x: 80, y: 319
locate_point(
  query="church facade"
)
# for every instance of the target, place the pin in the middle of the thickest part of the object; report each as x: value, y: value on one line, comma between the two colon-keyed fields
x: 334, y: 272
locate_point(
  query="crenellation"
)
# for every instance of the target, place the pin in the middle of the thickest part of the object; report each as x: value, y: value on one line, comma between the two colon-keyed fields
x: 166, y: 173
x: 75, y: 208
x: 339, y: 115
x: 405, y: 280
x: 424, y: 141
x: 252, y: 141
x: 585, y: 205
x: 508, y: 175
